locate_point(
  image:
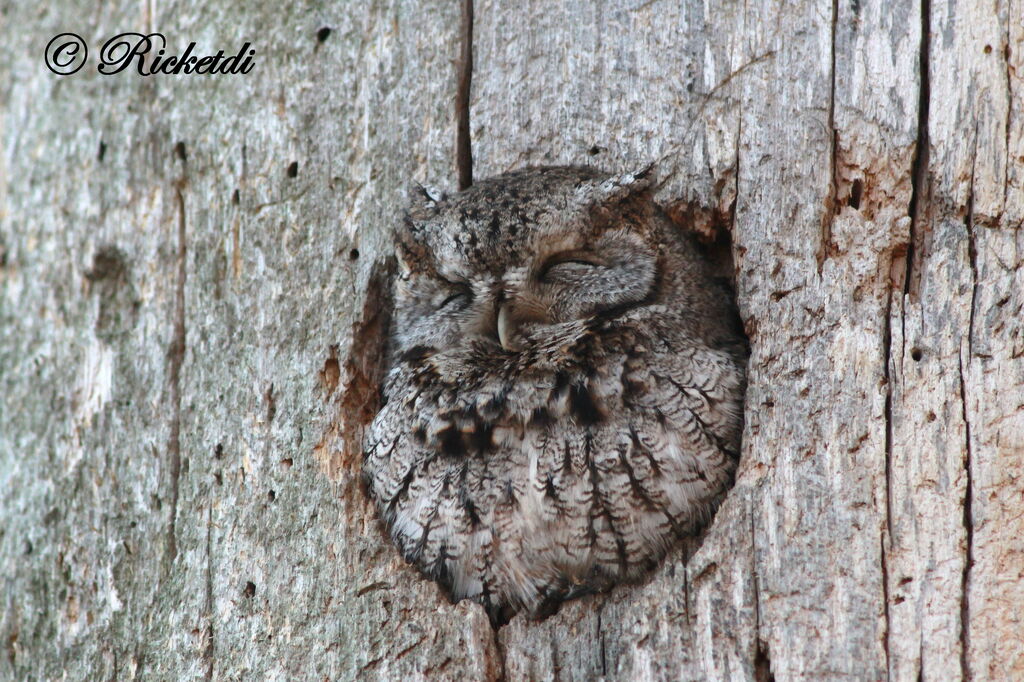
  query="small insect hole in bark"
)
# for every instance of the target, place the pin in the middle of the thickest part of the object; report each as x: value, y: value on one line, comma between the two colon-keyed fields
x: 179, y: 151
x: 271, y: 400
x: 916, y: 354
x: 855, y: 193
x: 250, y: 589
x: 323, y: 34
x: 293, y: 169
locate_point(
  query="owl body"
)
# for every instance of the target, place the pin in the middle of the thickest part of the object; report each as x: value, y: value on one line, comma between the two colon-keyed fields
x: 564, y: 399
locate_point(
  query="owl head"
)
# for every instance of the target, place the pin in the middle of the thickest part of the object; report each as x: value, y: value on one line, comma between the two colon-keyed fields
x: 530, y: 259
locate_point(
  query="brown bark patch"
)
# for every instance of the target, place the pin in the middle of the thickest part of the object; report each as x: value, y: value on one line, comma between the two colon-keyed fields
x: 340, y: 448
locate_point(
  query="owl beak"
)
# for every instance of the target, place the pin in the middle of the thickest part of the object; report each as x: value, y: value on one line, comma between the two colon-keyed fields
x: 506, y: 328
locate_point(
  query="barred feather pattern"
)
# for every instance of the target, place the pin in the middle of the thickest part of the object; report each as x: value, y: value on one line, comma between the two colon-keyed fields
x: 522, y: 474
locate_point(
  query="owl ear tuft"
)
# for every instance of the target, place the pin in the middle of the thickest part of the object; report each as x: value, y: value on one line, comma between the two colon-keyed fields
x: 620, y: 187
x: 424, y: 199
x: 632, y: 183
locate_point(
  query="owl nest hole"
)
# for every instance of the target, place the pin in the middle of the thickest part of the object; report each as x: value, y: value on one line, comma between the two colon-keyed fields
x: 361, y: 373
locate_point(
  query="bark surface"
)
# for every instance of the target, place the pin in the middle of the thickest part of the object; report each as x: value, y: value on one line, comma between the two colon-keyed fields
x: 192, y: 300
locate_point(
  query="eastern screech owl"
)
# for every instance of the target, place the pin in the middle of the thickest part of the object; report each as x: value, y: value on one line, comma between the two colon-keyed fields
x: 565, y: 390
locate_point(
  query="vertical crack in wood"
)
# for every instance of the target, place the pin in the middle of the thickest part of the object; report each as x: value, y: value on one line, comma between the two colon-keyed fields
x: 831, y: 200
x: 502, y: 668
x: 917, y: 211
x: 968, y: 517
x: 762, y: 652
x: 920, y: 659
x: 1007, y: 155
x: 463, y: 141
x: 968, y: 520
x: 175, y: 358
x: 919, y: 166
x: 887, y: 531
x: 763, y: 664
x: 885, y: 597
x: 733, y: 207
x: 972, y: 251
x: 735, y: 190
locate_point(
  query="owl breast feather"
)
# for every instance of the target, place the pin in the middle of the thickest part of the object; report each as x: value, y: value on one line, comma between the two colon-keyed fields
x: 519, y: 479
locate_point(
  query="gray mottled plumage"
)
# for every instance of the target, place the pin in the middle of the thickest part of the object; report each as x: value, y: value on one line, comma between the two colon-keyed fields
x: 564, y: 398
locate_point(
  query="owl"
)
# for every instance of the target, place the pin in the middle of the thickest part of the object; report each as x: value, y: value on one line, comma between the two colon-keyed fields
x: 564, y: 392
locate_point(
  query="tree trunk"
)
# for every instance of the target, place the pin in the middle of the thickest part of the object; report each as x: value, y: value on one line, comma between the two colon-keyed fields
x: 191, y: 304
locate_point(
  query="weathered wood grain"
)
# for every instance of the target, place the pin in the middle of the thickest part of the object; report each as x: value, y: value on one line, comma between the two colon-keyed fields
x: 165, y: 515
x: 189, y: 273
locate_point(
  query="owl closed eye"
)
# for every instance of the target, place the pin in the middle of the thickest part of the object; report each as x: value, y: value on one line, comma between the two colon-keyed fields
x: 564, y: 394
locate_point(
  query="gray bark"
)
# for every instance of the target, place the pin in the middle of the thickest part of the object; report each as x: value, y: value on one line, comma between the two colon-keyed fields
x: 189, y: 322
